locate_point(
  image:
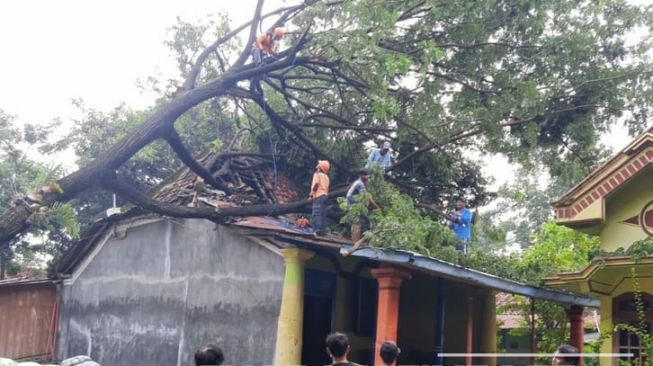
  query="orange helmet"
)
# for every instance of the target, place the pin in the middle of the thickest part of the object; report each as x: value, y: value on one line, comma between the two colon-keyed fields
x: 279, y: 32
x: 324, y: 165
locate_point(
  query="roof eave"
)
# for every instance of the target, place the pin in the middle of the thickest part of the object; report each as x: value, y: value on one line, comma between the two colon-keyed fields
x: 448, y: 270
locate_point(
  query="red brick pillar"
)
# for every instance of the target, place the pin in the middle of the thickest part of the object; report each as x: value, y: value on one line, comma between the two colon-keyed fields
x: 575, y: 315
x: 387, y: 318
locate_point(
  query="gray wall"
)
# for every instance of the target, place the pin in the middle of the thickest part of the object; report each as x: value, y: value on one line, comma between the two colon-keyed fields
x: 168, y: 287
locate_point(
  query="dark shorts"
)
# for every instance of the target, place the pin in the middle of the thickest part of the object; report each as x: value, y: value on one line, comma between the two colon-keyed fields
x: 364, y: 223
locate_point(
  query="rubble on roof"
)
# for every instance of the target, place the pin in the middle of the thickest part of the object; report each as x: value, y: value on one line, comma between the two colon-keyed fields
x: 251, y: 179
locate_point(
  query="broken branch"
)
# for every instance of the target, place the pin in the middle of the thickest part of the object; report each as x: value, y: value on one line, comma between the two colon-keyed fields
x: 185, y: 156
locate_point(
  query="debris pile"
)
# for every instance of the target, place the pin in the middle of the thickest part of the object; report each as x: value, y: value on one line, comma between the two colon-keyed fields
x: 247, y: 179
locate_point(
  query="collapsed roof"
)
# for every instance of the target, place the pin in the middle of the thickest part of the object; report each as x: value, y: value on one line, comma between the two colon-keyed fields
x: 249, y: 179
x: 253, y: 179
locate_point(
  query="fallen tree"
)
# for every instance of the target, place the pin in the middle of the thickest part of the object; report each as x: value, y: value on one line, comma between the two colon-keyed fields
x: 438, y: 79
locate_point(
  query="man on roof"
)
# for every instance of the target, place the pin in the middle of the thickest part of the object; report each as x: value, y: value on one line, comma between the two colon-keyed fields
x: 265, y: 44
x: 461, y: 223
x: 319, y: 195
x: 355, y: 190
x: 380, y: 157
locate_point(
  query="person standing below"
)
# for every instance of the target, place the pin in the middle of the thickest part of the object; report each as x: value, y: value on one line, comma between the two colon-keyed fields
x: 319, y: 195
x: 380, y: 157
x: 357, y: 188
x: 461, y: 224
x: 337, y: 347
x: 566, y: 355
x: 209, y: 355
x: 389, y: 353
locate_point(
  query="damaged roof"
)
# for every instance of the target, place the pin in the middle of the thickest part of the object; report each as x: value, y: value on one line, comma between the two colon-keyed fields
x: 250, y: 178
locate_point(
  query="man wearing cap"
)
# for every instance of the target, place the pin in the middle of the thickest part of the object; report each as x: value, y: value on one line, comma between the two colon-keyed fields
x: 380, y: 157
x: 461, y: 223
x: 262, y: 50
x: 264, y: 45
x: 319, y: 194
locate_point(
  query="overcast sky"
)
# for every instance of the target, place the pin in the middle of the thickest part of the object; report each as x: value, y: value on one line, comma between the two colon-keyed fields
x: 56, y: 50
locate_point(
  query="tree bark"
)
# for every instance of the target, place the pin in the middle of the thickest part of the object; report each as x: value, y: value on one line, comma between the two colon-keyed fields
x: 174, y: 140
x: 219, y: 215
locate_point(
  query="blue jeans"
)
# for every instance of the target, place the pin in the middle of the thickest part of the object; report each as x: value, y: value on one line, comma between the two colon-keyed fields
x: 319, y: 215
x: 462, y: 247
x: 256, y: 55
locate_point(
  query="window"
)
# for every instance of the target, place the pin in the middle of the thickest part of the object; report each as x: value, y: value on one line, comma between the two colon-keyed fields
x: 625, y: 312
x: 630, y: 343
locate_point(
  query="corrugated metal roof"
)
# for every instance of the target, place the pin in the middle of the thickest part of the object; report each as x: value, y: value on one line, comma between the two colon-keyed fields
x: 471, y: 276
x: 440, y: 268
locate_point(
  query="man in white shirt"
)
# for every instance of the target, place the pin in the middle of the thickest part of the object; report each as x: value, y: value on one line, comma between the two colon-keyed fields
x: 380, y: 157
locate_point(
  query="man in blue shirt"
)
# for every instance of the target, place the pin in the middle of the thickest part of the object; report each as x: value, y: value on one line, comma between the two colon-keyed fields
x: 357, y: 188
x: 461, y: 224
x: 380, y: 157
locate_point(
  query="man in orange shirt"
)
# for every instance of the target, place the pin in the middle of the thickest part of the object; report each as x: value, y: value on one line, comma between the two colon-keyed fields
x: 319, y: 195
x: 264, y: 44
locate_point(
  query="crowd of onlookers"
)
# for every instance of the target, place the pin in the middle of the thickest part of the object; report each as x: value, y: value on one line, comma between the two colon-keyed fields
x: 337, y: 347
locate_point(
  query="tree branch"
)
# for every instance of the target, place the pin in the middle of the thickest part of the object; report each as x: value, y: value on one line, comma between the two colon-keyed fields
x: 275, y: 118
x: 185, y: 156
x: 252, y: 35
x: 433, y: 209
x: 191, y: 80
x: 353, y: 128
x: 473, y: 132
x: 140, y: 199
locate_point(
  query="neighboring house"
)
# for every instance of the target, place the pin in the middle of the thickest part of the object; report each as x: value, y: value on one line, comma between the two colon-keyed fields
x: 515, y: 330
x: 149, y: 290
x: 27, y: 319
x: 614, y: 202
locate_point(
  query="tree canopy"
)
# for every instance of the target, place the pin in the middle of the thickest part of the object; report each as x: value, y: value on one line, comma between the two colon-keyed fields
x: 442, y: 80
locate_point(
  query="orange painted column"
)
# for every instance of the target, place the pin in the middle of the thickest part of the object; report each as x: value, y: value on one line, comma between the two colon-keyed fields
x: 387, y: 314
x: 575, y: 314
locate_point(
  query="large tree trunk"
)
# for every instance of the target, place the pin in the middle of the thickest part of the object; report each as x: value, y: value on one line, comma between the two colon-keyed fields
x: 16, y: 220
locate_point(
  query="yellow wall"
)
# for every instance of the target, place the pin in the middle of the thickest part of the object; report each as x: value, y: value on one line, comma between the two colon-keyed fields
x: 622, y: 205
x: 345, y: 304
x: 646, y: 285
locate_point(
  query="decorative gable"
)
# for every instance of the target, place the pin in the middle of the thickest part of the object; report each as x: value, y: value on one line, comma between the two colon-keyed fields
x: 584, y: 204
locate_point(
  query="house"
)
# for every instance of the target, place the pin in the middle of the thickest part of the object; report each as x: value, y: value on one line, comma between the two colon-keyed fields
x: 149, y: 290
x: 518, y: 335
x: 614, y: 202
